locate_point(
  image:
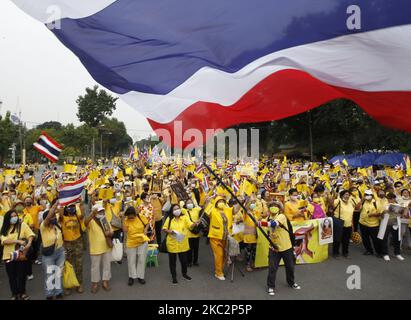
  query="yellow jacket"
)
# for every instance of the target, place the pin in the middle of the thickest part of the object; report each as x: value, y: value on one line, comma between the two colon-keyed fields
x: 182, y: 226
x: 216, y: 222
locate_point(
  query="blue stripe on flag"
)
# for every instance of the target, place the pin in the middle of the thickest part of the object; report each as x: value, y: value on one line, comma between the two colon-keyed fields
x: 49, y: 148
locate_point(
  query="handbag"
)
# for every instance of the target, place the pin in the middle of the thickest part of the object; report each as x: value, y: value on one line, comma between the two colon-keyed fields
x: 115, y: 221
x: 163, y: 245
x: 117, y: 251
x: 338, y: 224
x: 69, y: 276
x: 109, y: 240
x: 197, y: 229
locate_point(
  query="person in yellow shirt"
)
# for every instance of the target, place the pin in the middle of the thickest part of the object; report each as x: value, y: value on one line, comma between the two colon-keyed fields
x: 53, y: 254
x: 343, y: 209
x: 193, y: 213
x: 100, y: 236
x: 157, y: 203
x: 280, y: 237
x: 221, y: 225
x: 177, y: 228
x: 135, y: 228
x: 5, y: 203
x: 23, y: 215
x: 292, y: 208
x: 16, y: 237
x: 72, y: 225
x: 369, y: 224
x: 356, y: 200
x: 250, y: 234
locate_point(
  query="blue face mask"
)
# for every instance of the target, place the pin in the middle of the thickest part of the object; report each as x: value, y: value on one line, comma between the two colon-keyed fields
x: 14, y: 220
x: 252, y: 206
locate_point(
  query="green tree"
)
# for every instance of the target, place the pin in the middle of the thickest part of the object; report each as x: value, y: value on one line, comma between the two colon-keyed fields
x: 95, y: 106
x: 114, y: 136
x: 50, y: 125
x: 8, y: 134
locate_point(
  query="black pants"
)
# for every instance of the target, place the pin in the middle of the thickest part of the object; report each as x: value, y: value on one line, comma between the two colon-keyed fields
x: 157, y: 226
x: 192, y: 255
x: 368, y: 235
x: 17, y: 273
x: 345, y: 242
x: 356, y: 220
x: 250, y: 250
x: 394, y: 239
x: 274, y: 262
x: 172, y: 260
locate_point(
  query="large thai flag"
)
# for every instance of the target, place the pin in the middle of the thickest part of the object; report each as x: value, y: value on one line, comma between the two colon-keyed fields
x: 48, y: 147
x: 71, y: 192
x: 214, y: 64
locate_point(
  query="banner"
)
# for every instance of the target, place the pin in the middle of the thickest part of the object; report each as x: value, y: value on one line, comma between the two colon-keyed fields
x: 326, y: 231
x: 307, y: 249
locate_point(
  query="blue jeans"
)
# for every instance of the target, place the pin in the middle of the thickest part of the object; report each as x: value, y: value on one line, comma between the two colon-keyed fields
x: 53, y: 272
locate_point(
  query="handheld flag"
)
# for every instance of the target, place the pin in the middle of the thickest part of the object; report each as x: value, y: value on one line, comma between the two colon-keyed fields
x: 71, y: 192
x: 48, y: 147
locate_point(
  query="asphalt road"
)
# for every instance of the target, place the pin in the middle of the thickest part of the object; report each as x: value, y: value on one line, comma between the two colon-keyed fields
x: 326, y: 280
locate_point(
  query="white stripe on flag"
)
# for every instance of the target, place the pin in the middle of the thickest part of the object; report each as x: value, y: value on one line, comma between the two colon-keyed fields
x: 50, y: 143
x: 40, y: 147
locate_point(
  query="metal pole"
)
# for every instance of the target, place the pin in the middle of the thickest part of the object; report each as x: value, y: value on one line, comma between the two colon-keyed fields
x: 101, y: 144
x: 311, y: 136
x: 93, y: 150
x: 242, y: 206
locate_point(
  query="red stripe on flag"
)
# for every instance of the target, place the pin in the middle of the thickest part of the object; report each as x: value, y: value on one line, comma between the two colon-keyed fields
x: 284, y: 94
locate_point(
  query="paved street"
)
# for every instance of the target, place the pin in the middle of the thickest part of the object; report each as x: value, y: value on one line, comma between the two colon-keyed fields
x: 327, y: 280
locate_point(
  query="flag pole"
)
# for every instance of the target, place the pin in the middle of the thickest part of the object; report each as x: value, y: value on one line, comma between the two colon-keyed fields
x: 241, y: 205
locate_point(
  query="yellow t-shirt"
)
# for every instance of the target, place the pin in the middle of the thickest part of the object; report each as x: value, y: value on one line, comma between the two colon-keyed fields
x: 279, y: 236
x: 291, y: 209
x: 157, y: 208
x: 195, y: 215
x: 97, y: 239
x: 345, y: 211
x: 71, y: 227
x: 250, y: 229
x: 34, y: 212
x: 180, y: 226
x: 24, y: 217
x: 113, y: 209
x: 5, y: 205
x: 135, y: 232
x: 367, y: 209
x: 25, y: 233
x: 51, y: 235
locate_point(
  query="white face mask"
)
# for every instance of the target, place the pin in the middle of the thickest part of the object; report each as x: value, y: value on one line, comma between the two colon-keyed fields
x: 190, y: 206
x: 128, y: 199
x: 113, y: 201
x: 118, y: 194
x: 368, y: 197
x: 177, y: 212
x: 294, y: 198
x: 100, y: 215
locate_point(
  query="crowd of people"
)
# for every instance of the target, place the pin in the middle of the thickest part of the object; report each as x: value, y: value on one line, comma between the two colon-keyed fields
x: 174, y: 202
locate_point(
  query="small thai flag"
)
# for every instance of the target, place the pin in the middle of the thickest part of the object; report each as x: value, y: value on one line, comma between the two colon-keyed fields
x: 235, y: 185
x: 206, y: 184
x: 48, y: 147
x: 336, y: 163
x: 45, y: 176
x: 131, y: 155
x: 71, y: 192
x: 199, y: 168
x: 175, y: 167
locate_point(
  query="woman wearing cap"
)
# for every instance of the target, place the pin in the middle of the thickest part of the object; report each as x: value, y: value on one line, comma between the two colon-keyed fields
x: 53, y: 254
x: 177, y: 228
x: 15, y: 234
x: 135, y: 228
x: 279, y: 235
x: 72, y: 223
x: 343, y: 209
x: 193, y: 213
x: 221, y: 224
x: 370, y: 224
x: 100, y: 244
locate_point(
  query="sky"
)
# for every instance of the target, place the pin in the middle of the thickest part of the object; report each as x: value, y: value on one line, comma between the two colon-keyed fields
x: 42, y: 79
